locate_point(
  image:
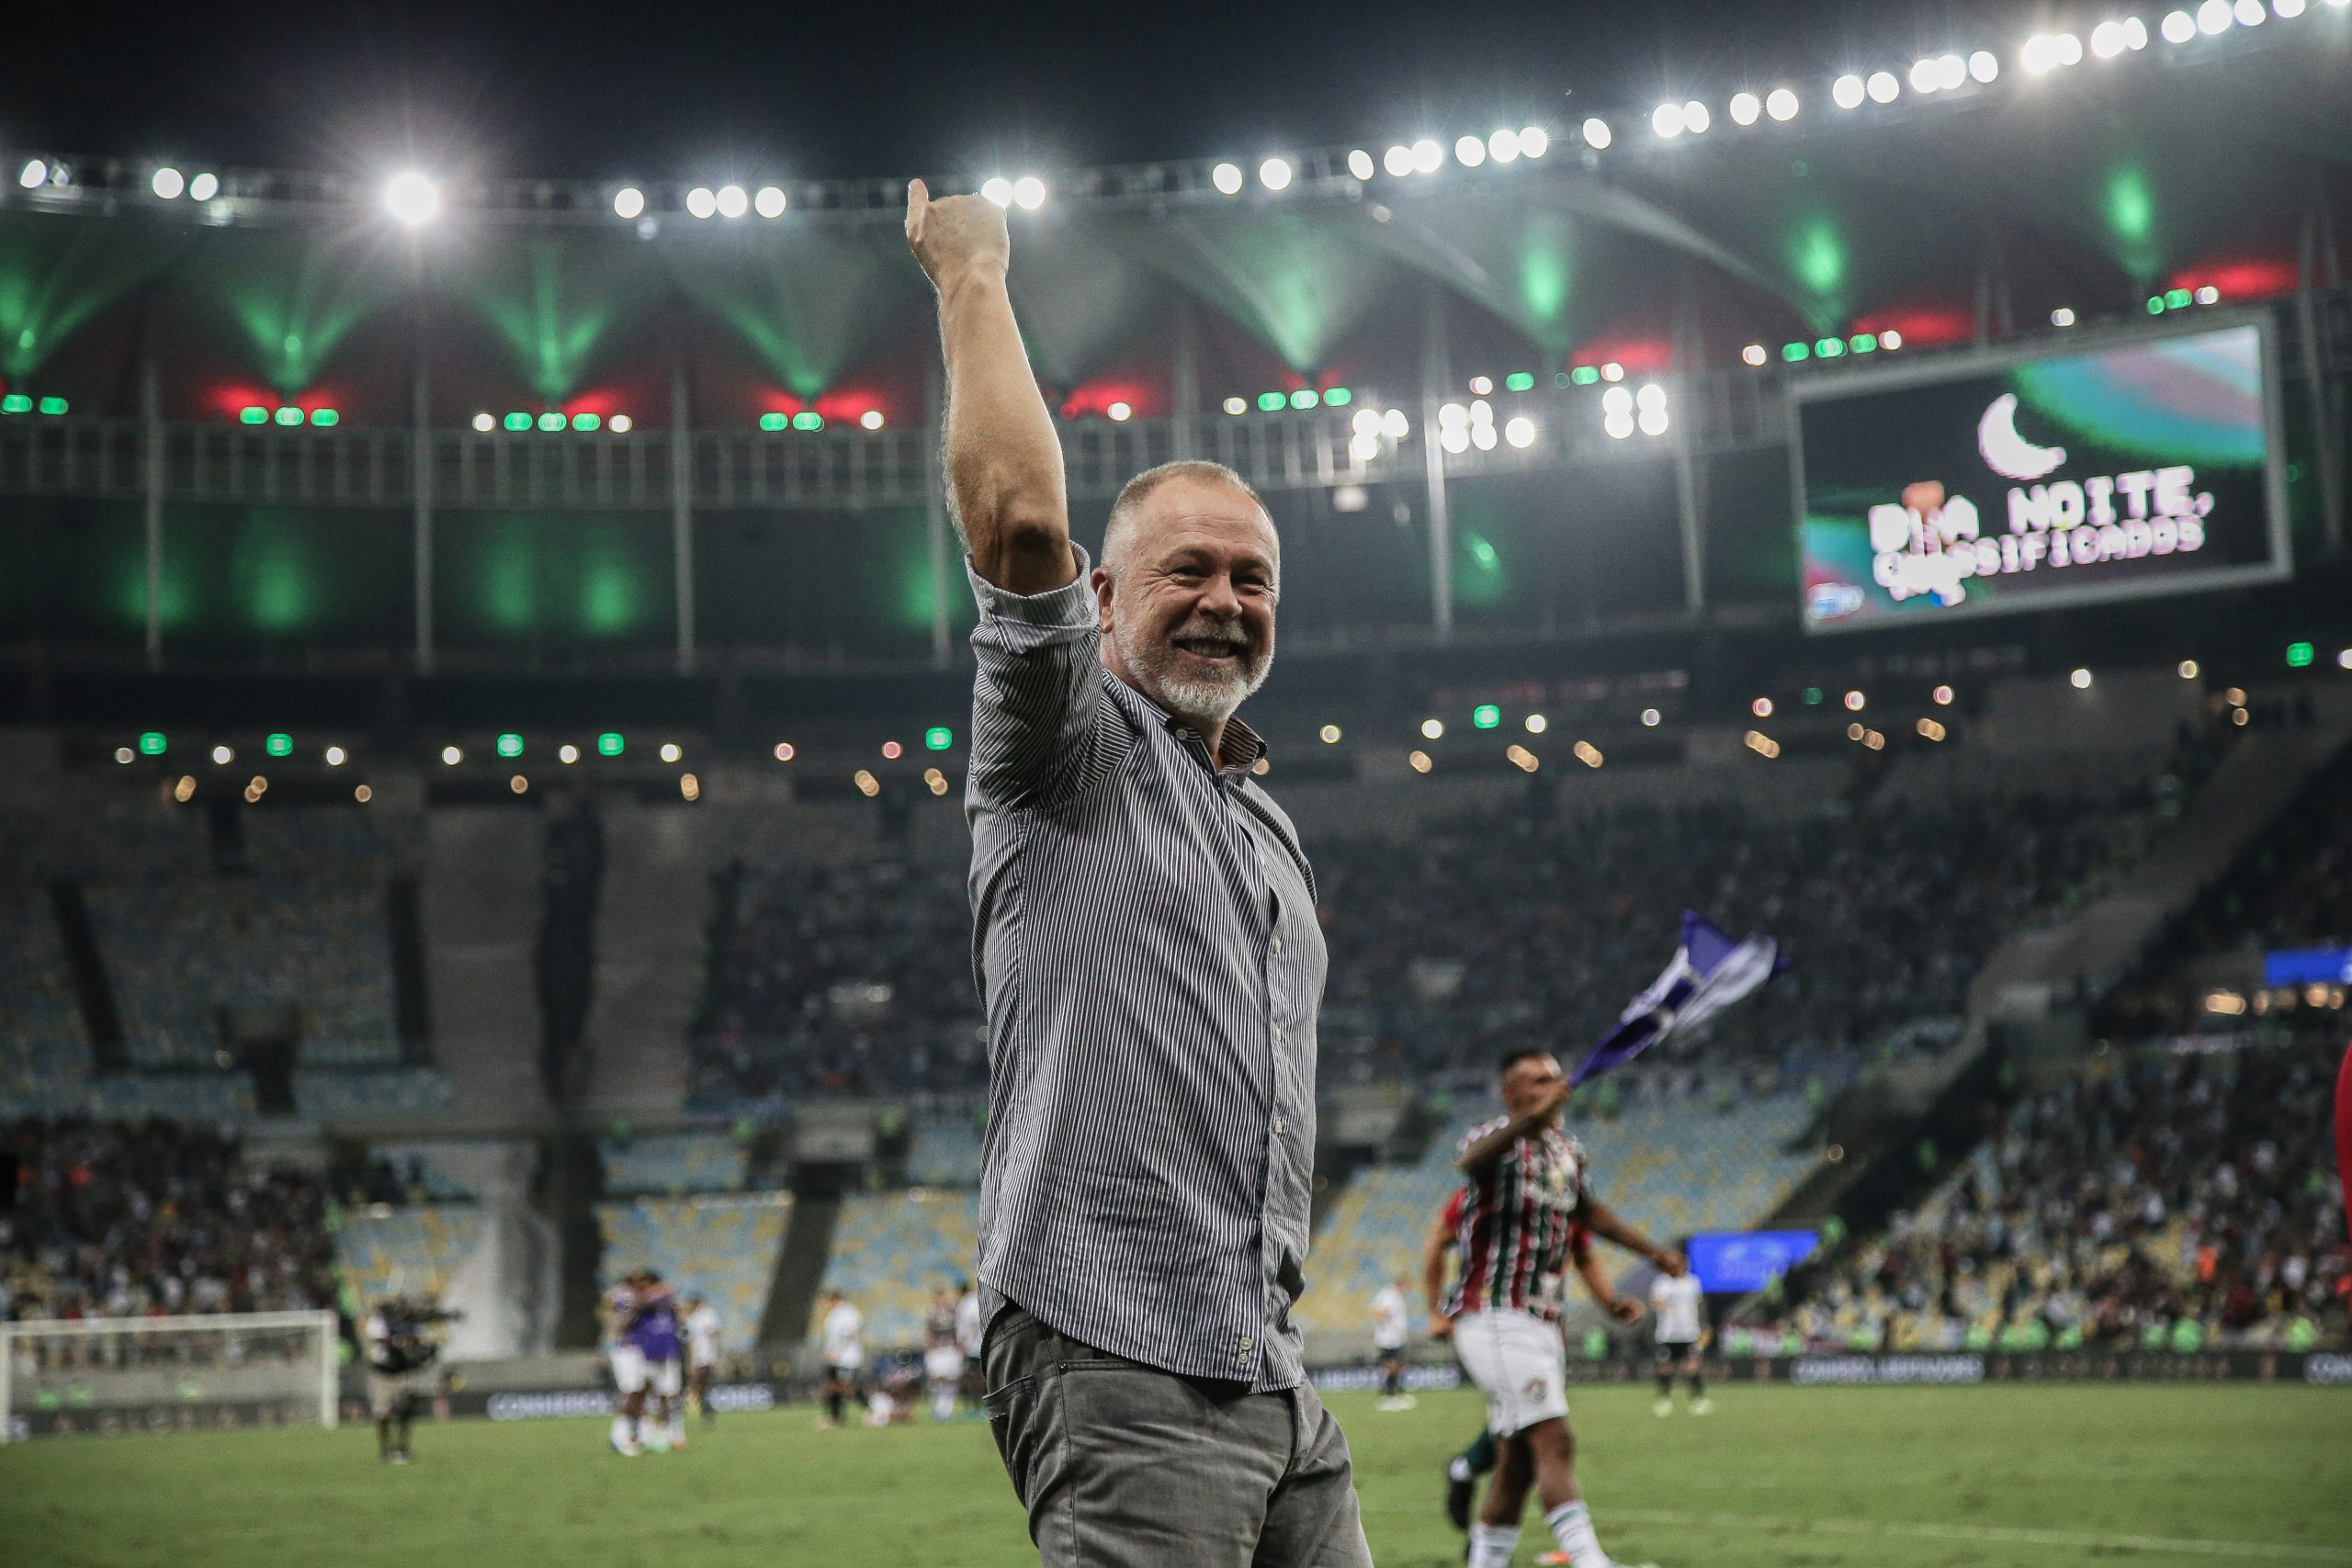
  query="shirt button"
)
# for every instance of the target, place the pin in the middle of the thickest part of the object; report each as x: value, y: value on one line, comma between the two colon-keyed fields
x: 1247, y: 1342
x: 1278, y: 1035
x: 1278, y: 1123
x: 1278, y: 947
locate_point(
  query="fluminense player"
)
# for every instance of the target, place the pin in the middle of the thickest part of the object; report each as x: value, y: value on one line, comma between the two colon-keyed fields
x: 842, y: 1334
x: 627, y: 1363
x: 1527, y: 1190
x: 702, y: 1352
x: 942, y: 1357
x: 1390, y: 1327
x: 656, y: 1333
x: 1678, y: 1305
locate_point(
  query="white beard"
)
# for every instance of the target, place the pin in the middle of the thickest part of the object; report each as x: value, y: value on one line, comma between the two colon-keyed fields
x: 1209, y: 699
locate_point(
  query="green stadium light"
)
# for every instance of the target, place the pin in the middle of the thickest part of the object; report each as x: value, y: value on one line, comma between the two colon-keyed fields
x: 1559, y: 378
x: 585, y: 422
x: 53, y: 405
x: 1794, y: 352
x: 2155, y: 304
x: 1863, y: 343
x: 289, y: 416
x: 609, y: 744
x: 2298, y: 655
x: 808, y: 419
x: 1485, y: 716
x: 279, y: 745
x: 1812, y: 696
x: 252, y: 414
x: 1829, y: 347
x: 1338, y: 397
x: 1584, y: 375
x: 551, y: 420
x: 510, y: 745
x: 1305, y: 398
x: 16, y: 402
x: 517, y: 422
x: 775, y: 422
x: 2177, y: 298
x: 1519, y: 381
x: 1270, y: 401
x: 323, y: 418
x: 152, y: 744
x: 938, y: 737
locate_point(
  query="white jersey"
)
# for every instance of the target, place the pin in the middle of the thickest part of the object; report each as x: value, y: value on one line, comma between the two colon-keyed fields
x: 845, y: 1337
x: 702, y: 1336
x: 1389, y: 1322
x: 969, y: 1329
x: 1676, y: 1299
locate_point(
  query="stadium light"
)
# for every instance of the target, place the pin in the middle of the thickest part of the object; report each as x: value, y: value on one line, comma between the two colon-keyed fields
x: 34, y: 175
x: 2063, y: 316
x: 1274, y: 174
x: 1984, y: 65
x: 1781, y: 103
x: 2249, y: 13
x: 485, y: 424
x: 1745, y: 108
x: 2080, y: 680
x: 620, y: 424
x: 1469, y: 151
x: 1535, y: 723
x: 2287, y: 10
x: 1119, y: 413
x: 2188, y: 670
x: 1029, y: 193
x: 1694, y: 117
x: 168, y: 183
x: 1397, y: 161
x: 1754, y: 353
x: 770, y: 201
x: 701, y: 202
x: 1652, y: 718
x: 2213, y: 17
x: 1520, y: 431
x: 1000, y: 189
x: 1502, y: 146
x: 628, y: 202
x: 1428, y: 156
x: 510, y: 745
x: 1597, y: 134
x: 610, y: 744
x: 1226, y: 177
x: 1329, y: 734
x: 336, y: 756
x: 1882, y: 87
x: 411, y: 199
x: 871, y: 419
x: 1433, y: 729
x: 1847, y: 92
x: 1534, y: 140
x: 1360, y: 165
x: 1667, y: 120
x: 451, y: 756
x: 732, y: 201
x: 204, y: 187
x: 1927, y: 76
x: 672, y: 753
x: 2178, y: 26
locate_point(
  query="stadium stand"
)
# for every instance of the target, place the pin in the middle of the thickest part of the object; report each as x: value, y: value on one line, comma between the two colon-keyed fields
x: 44, y: 1045
x: 672, y: 1163
x: 409, y: 1252
x: 943, y: 1148
x: 724, y: 1248
x: 892, y: 1250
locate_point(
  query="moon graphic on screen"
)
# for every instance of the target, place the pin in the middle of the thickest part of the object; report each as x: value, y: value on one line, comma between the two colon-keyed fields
x: 2008, y: 453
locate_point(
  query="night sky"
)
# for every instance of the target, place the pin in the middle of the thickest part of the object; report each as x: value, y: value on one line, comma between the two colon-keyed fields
x: 826, y: 90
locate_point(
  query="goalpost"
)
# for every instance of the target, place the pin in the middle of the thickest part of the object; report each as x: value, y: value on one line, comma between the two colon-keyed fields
x: 127, y: 1374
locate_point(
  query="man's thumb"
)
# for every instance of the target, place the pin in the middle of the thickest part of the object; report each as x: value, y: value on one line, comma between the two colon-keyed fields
x: 918, y: 199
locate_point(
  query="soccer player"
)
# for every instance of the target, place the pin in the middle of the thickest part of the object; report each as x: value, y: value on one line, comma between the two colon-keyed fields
x: 1151, y: 966
x: 969, y: 1337
x: 1678, y: 1307
x: 1389, y: 1328
x: 1527, y: 1181
x: 396, y: 1362
x: 942, y: 1357
x: 655, y: 1331
x: 842, y: 1334
x: 627, y: 1363
x: 702, y: 1353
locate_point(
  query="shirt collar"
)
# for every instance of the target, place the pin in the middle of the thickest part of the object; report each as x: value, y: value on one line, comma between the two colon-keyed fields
x: 1241, y: 749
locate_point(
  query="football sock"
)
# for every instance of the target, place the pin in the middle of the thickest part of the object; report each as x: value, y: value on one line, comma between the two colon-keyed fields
x: 620, y: 1431
x: 1666, y: 1385
x: 1491, y: 1545
x: 833, y: 1407
x: 1480, y: 1455
x: 1572, y: 1528
x: 1698, y: 1386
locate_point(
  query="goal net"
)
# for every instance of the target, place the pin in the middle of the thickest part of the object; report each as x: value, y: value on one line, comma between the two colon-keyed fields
x: 61, y: 1376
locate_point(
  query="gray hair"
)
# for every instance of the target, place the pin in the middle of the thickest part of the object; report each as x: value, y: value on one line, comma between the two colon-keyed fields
x: 1120, y: 529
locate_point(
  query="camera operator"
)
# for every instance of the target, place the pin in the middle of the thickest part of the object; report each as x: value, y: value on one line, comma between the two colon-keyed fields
x: 400, y: 1362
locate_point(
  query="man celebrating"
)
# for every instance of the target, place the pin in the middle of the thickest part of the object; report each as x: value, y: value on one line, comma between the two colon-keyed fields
x: 1527, y: 1181
x: 1146, y: 950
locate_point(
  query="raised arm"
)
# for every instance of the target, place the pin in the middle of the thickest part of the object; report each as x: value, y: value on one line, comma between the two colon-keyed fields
x: 1005, y: 483
x: 1604, y: 1222
x: 1624, y: 1309
x: 1478, y: 1161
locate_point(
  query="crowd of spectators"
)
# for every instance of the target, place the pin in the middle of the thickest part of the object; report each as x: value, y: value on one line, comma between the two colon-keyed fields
x: 157, y: 1219
x: 2163, y: 1200
x: 1535, y: 922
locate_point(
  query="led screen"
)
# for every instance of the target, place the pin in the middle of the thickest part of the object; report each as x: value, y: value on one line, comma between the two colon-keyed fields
x: 1741, y: 1261
x: 2142, y: 463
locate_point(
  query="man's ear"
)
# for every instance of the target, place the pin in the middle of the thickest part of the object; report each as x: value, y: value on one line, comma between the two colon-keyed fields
x: 1103, y: 586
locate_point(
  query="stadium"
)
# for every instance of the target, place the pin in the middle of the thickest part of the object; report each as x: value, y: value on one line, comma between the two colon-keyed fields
x: 490, y: 782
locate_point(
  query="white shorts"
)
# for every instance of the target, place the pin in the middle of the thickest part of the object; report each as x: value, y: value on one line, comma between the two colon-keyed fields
x: 632, y: 1373
x: 943, y: 1363
x: 1516, y: 1360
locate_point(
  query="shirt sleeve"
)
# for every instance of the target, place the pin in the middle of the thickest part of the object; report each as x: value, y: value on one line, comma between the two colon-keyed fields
x: 1037, y: 701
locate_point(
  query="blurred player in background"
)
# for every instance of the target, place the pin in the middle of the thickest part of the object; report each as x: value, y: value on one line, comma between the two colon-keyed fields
x: 1390, y: 1325
x: 702, y: 1353
x: 942, y: 1357
x: 970, y: 1331
x: 646, y: 1355
x: 1678, y: 1304
x: 843, y: 1334
x: 400, y: 1360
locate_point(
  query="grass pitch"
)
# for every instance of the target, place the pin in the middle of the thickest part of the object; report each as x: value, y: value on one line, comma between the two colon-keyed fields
x: 1778, y: 1477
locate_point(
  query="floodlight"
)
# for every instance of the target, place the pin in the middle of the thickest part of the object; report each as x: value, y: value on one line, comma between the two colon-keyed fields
x: 1618, y: 425
x: 1428, y: 156
x: 1520, y: 432
x: 411, y: 199
x: 2063, y: 316
x: 2106, y: 40
x: 1029, y: 193
x: 871, y: 419
x: 1534, y: 140
x: 2178, y: 26
x: 1745, y: 108
x: 2135, y: 31
x: 620, y: 424
x: 1469, y: 151
x: 2067, y: 48
x: 1360, y: 164
x: 1274, y: 174
x: 627, y: 202
x: 168, y: 183
x: 2213, y: 17
x: 1226, y: 178
x: 1694, y: 115
x: 999, y: 190
x: 1503, y: 146
x: 204, y: 187
x: 1397, y: 161
x: 701, y: 202
x: 1617, y: 400
x: 485, y: 424
x: 1847, y: 92
x: 1667, y: 120
x: 2287, y: 10
x: 1753, y: 354
x: 1119, y: 413
x: 1926, y: 75
x: 1882, y: 87
x: 2249, y: 13
x: 34, y: 175
x: 1597, y: 135
x: 1781, y: 103
x: 771, y: 202
x: 732, y: 202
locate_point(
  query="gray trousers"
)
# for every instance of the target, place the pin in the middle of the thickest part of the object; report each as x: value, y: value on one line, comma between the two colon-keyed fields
x: 1119, y: 1463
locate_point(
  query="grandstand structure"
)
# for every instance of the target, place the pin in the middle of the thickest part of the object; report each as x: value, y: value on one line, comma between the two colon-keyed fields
x: 483, y: 714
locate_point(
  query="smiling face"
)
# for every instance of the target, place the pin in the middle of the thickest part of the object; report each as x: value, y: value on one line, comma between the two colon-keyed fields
x: 1187, y: 589
x: 1529, y: 1080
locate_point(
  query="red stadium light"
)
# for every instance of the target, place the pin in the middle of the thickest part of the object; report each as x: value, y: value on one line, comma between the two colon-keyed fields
x: 2250, y: 278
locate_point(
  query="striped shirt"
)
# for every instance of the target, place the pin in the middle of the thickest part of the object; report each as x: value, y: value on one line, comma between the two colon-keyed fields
x: 1146, y: 950
x: 1518, y: 1229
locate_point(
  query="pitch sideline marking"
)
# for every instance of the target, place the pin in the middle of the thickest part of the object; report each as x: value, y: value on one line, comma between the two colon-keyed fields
x: 2010, y: 1535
